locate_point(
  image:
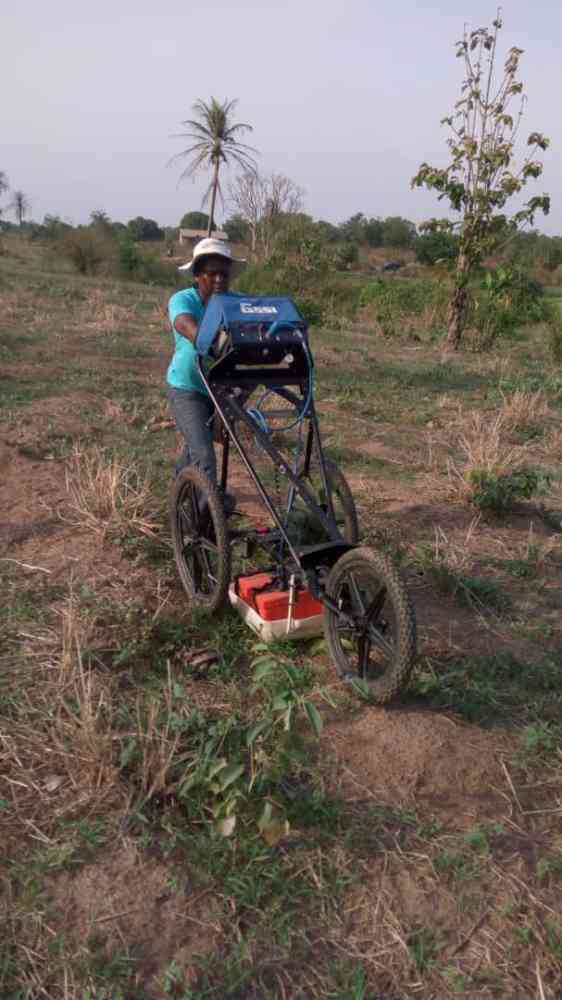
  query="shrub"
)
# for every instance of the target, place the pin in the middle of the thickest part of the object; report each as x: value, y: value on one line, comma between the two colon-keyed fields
x: 431, y: 248
x: 508, y: 299
x: 398, y: 304
x: 310, y: 310
x: 154, y: 270
x: 129, y: 256
x: 406, y: 296
x: 89, y: 249
x: 345, y: 254
x: 317, y: 295
x: 498, y: 492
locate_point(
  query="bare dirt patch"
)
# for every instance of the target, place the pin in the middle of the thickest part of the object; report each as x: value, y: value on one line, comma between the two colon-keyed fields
x: 132, y: 898
x: 408, y: 755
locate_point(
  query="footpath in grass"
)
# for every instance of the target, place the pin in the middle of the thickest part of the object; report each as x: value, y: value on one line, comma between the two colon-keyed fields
x: 165, y: 831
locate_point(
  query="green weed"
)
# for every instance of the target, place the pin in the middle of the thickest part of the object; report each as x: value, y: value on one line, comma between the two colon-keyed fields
x: 422, y: 946
x: 498, y: 493
x: 481, y: 593
x: 541, y: 738
x: 496, y: 689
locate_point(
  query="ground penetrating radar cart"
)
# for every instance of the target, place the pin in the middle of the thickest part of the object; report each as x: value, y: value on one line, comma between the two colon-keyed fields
x: 304, y: 569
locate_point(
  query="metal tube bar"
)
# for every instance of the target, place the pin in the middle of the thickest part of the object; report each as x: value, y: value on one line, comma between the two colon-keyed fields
x: 328, y: 523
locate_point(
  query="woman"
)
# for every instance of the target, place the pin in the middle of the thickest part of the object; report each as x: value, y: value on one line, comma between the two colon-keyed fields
x: 212, y: 266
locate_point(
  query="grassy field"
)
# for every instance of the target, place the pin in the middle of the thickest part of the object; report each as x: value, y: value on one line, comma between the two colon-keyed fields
x: 414, y: 851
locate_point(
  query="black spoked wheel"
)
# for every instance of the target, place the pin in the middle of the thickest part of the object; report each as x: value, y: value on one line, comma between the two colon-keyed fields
x: 372, y: 636
x: 342, y: 499
x: 200, y: 539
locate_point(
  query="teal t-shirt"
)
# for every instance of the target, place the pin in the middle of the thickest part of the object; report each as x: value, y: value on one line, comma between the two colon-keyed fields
x: 182, y: 371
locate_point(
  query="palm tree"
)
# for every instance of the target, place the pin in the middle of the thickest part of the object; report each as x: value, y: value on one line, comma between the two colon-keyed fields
x: 215, y: 140
x: 20, y: 204
x: 4, y: 186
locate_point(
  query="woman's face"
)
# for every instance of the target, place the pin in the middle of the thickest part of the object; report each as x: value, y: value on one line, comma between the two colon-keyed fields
x: 214, y: 276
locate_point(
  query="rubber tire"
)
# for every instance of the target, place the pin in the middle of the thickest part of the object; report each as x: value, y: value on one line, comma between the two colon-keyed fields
x: 340, y: 486
x: 386, y: 686
x: 194, y: 477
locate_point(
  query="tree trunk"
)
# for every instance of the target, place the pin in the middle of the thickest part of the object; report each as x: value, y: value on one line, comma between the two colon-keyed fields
x: 213, y: 199
x: 456, y: 313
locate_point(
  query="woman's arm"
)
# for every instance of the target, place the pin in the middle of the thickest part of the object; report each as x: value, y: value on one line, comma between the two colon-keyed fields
x: 185, y: 325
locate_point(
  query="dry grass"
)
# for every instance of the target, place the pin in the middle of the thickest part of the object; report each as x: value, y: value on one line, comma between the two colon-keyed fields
x: 59, y: 770
x: 481, y: 441
x: 108, y: 495
x: 412, y: 930
x: 104, y: 317
x: 456, y: 556
x: 155, y: 741
x: 522, y: 410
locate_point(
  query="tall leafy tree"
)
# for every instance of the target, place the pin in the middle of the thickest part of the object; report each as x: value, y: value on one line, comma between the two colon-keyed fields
x: 195, y: 220
x: 100, y: 219
x: 214, y: 139
x: 144, y: 229
x: 20, y: 205
x: 398, y: 232
x: 484, y: 171
x: 237, y: 229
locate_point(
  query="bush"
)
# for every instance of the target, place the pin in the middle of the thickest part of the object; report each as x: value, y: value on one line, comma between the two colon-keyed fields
x: 410, y: 296
x: 318, y: 295
x: 438, y: 246
x: 145, y: 229
x: 89, y: 249
x: 310, y: 310
x: 154, y: 270
x: 129, y: 256
x: 398, y: 304
x: 345, y: 255
x: 508, y: 299
x: 498, y: 493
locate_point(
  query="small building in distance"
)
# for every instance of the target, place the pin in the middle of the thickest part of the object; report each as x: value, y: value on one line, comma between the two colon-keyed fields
x: 188, y: 238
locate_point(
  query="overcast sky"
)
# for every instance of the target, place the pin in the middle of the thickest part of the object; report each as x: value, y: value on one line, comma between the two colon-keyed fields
x: 345, y: 97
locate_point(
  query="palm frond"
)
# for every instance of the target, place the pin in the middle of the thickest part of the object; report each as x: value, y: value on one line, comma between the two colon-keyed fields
x: 213, y: 140
x: 201, y: 151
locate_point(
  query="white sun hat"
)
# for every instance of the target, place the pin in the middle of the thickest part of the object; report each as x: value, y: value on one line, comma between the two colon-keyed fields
x: 210, y: 247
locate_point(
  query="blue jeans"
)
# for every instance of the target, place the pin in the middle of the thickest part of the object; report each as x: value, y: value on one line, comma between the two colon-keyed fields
x: 193, y: 412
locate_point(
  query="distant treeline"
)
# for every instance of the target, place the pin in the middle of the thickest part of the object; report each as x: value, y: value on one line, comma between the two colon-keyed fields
x: 343, y: 245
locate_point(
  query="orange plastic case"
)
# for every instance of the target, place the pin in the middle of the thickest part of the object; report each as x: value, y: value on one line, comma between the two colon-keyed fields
x: 273, y: 605
x: 267, y: 612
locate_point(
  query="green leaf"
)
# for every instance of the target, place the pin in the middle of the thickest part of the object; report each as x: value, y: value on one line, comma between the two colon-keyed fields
x: 275, y: 831
x: 128, y: 752
x: 265, y: 665
x: 314, y: 717
x: 266, y: 815
x: 361, y: 687
x: 218, y: 765
x: 280, y: 702
x: 230, y: 775
x: 272, y: 824
x: 255, y: 731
